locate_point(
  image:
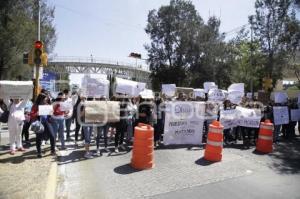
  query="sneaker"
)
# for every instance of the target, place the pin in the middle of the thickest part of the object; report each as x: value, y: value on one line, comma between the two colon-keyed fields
x: 97, y: 153
x: 63, y: 148
x: 53, y: 153
x: 116, y: 150
x: 87, y: 155
x: 123, y: 147
x: 12, y: 152
x: 43, y: 143
x: 39, y: 155
x: 106, y: 150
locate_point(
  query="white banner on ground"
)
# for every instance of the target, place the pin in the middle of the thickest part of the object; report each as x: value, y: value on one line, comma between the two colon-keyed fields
x: 168, y: 89
x: 102, y: 111
x: 280, y: 97
x: 248, y: 117
x: 198, y: 92
x: 184, y: 123
x: 16, y: 89
x: 209, y: 85
x: 236, y: 87
x: 216, y: 95
x: 95, y: 87
x: 235, y: 97
x: 295, y: 115
x: 281, y: 115
x: 45, y: 109
x: 228, y: 118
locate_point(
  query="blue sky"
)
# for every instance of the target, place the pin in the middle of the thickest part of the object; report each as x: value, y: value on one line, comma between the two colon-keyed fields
x: 111, y: 29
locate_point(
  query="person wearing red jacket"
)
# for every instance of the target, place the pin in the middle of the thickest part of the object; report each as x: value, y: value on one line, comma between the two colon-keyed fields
x: 59, y: 118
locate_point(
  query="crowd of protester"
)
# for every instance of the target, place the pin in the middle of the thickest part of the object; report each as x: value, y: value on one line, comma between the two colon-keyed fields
x: 23, y: 114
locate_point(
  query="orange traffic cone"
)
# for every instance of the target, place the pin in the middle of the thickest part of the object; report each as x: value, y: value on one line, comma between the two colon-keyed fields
x: 265, y: 137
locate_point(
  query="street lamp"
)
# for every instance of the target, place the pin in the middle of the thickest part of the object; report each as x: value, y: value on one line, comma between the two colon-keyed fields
x: 136, y: 56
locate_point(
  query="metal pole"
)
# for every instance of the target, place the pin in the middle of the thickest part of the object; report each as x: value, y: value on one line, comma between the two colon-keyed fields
x: 37, y: 67
x: 251, y: 61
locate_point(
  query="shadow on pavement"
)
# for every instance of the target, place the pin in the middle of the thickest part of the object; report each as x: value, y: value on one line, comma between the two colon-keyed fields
x: 125, y: 169
x: 203, y: 162
x: 74, y: 156
x: 17, y: 159
x: 187, y: 146
x: 286, y: 157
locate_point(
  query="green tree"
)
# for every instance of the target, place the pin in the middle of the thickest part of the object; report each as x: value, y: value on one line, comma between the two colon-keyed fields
x: 274, y: 25
x: 19, y: 31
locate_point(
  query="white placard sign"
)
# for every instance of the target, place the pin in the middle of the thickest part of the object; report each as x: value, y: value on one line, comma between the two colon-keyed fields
x: 235, y: 97
x: 168, y: 89
x: 295, y: 115
x: 147, y: 94
x: 16, y: 89
x: 198, y: 92
x: 127, y: 87
x: 281, y: 115
x: 228, y: 118
x: 66, y: 106
x: 45, y: 110
x: 184, y: 123
x: 209, y: 85
x: 236, y: 87
x: 216, y: 95
x: 280, y: 97
x: 248, y: 117
x: 95, y: 87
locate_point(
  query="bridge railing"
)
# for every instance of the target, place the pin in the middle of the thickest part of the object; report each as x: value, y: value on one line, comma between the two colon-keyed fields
x: 140, y: 64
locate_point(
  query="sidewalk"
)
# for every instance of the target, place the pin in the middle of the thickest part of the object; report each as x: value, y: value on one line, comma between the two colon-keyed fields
x: 23, y: 175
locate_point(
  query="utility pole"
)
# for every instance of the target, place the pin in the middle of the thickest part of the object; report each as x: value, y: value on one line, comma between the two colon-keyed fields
x: 251, y: 57
x: 37, y: 66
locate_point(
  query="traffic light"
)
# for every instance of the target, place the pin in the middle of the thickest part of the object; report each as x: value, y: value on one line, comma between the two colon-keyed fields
x: 267, y: 83
x: 25, y: 58
x: 38, y: 51
x: 135, y: 55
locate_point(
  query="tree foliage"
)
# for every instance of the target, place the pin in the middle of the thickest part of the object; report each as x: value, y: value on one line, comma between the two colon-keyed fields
x: 19, y: 31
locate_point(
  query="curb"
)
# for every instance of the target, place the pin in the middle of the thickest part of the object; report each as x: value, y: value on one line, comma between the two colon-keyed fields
x: 51, y: 182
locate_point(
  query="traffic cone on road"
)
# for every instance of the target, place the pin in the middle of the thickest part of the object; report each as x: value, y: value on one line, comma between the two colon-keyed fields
x: 265, y: 137
x: 214, y: 144
x: 143, y: 147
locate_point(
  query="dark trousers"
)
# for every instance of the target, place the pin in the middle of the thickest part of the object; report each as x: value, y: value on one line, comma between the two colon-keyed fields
x: 121, y: 127
x: 25, y: 131
x: 48, y: 133
x: 103, y: 129
x: 77, y: 129
x: 68, y: 126
x: 158, y: 130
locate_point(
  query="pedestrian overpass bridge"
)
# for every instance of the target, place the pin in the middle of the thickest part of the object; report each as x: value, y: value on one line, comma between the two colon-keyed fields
x: 89, y: 65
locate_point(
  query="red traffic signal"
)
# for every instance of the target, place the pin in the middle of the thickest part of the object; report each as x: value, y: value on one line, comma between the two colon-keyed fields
x: 38, y: 45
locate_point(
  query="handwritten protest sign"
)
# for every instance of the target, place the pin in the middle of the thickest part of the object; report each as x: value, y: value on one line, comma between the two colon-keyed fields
x: 295, y: 115
x: 168, y: 89
x: 281, y: 115
x: 45, y: 110
x: 209, y: 85
x: 228, y: 118
x: 147, y: 94
x: 248, y: 117
x: 184, y: 123
x: 16, y: 89
x: 127, y: 87
x: 198, y: 92
x: 280, y: 97
x: 216, y: 95
x: 235, y: 97
x: 95, y: 87
x: 236, y: 87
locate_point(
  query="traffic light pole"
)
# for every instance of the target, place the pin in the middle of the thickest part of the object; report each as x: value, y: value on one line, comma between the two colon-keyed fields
x: 37, y: 67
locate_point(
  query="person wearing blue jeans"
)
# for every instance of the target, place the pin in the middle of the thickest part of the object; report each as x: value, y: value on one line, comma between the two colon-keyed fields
x: 100, y: 129
x: 87, y: 140
x: 58, y: 127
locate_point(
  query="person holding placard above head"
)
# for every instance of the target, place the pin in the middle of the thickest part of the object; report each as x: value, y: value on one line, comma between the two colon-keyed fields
x: 59, y: 118
x: 15, y: 123
x: 37, y: 115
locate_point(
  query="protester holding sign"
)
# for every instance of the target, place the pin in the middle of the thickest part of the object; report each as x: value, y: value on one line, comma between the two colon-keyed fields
x: 68, y: 119
x: 121, y: 126
x: 48, y: 132
x: 15, y: 123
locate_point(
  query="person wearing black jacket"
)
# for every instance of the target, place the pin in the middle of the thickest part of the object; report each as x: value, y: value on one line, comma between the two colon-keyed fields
x: 121, y: 126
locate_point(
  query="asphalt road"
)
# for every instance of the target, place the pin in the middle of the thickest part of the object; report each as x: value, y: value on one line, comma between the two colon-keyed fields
x: 181, y: 172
